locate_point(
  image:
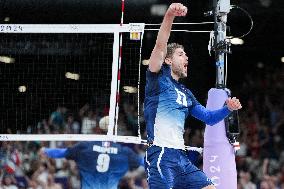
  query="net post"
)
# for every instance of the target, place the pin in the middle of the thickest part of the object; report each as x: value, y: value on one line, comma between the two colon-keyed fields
x: 114, y: 84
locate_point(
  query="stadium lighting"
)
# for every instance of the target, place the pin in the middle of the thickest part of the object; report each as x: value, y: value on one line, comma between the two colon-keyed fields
x: 7, y: 19
x: 158, y: 9
x: 282, y: 59
x: 265, y: 3
x: 237, y: 41
x: 22, y: 89
x: 145, y: 62
x: 73, y: 76
x: 6, y: 59
x: 260, y: 65
x: 129, y: 89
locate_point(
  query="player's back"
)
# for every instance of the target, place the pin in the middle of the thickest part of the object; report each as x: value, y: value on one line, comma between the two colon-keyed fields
x: 102, y: 164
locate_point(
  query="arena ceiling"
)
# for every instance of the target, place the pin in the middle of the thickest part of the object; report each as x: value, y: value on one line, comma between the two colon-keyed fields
x: 268, y: 15
x: 263, y: 44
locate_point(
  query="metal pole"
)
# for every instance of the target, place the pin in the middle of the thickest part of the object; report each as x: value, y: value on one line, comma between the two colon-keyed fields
x: 221, y: 47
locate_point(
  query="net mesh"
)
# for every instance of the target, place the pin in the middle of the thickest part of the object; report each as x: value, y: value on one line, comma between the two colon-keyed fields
x: 128, y: 122
x: 63, y: 76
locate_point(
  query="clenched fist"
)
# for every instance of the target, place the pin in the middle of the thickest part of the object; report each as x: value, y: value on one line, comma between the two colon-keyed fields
x: 233, y: 104
x: 177, y: 9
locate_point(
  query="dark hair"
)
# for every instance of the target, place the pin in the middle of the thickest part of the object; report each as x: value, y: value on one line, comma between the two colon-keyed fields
x: 171, y: 49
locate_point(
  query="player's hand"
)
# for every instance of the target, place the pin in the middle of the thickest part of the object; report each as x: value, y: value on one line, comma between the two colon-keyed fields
x: 177, y: 9
x: 233, y: 104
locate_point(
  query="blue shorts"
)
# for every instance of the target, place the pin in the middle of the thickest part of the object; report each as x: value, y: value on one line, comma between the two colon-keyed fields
x: 169, y: 168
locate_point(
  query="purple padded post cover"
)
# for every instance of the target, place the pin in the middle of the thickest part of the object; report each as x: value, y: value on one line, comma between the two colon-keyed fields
x: 219, y: 155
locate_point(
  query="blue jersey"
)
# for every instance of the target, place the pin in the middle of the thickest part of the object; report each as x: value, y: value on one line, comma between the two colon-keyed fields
x: 167, y: 104
x: 101, y: 164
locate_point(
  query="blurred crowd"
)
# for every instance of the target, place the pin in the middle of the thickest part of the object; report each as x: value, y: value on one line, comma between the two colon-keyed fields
x: 86, y: 121
x: 260, y: 161
x: 23, y: 166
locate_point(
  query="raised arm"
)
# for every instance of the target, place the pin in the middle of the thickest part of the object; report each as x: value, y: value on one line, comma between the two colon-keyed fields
x: 160, y: 50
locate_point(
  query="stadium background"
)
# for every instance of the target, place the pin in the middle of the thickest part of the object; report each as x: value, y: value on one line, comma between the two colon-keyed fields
x: 255, y: 72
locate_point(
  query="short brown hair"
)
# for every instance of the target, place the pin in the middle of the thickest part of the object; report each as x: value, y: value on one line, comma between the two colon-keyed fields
x: 171, y: 49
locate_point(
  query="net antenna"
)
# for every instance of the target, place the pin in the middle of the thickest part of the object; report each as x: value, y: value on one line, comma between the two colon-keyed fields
x: 109, y: 32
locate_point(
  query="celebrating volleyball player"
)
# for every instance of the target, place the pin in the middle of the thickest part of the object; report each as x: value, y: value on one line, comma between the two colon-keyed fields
x: 101, y: 164
x: 167, y: 104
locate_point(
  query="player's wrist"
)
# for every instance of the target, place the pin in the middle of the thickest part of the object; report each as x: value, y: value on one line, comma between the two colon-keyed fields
x: 230, y: 108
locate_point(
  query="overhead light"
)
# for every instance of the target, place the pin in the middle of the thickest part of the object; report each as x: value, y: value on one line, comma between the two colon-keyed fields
x: 145, y: 62
x: 265, y: 3
x: 282, y: 59
x: 6, y: 19
x: 237, y: 41
x: 130, y: 89
x: 260, y: 65
x: 6, y: 59
x: 22, y: 89
x: 73, y: 76
x: 158, y: 9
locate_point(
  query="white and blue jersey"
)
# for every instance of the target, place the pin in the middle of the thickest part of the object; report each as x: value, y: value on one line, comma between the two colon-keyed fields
x: 101, y: 164
x: 167, y: 104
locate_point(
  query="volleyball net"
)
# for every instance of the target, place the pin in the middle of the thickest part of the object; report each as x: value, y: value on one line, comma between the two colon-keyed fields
x: 60, y: 80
